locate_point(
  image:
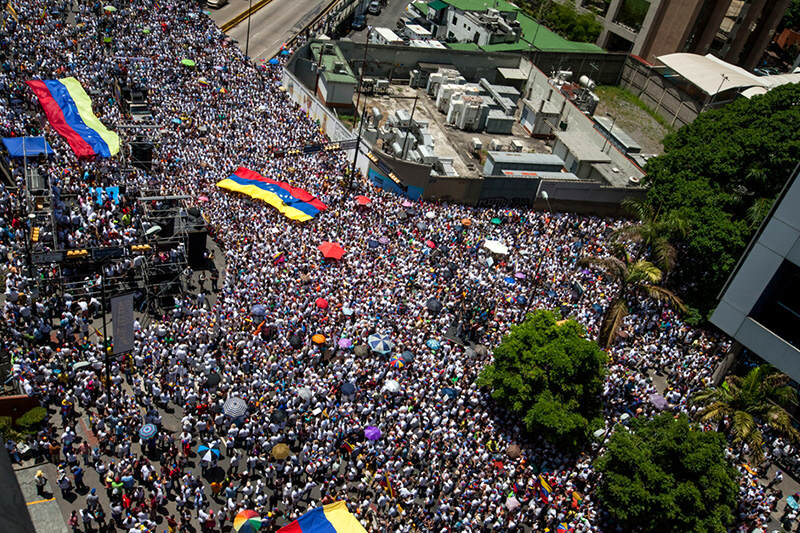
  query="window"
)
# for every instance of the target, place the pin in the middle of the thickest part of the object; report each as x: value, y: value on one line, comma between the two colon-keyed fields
x: 778, y: 308
x: 455, y: 20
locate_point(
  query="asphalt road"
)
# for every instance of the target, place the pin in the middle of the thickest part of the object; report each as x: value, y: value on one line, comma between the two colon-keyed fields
x: 271, y: 26
x: 387, y: 19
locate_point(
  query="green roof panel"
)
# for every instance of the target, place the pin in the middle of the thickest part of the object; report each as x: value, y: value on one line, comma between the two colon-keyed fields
x: 437, y: 5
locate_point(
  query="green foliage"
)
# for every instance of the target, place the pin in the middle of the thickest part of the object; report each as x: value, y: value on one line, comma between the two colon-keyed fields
x: 791, y: 19
x: 667, y: 476
x: 757, y: 398
x: 632, y: 13
x: 32, y: 418
x: 565, y: 20
x: 711, y: 174
x: 550, y: 375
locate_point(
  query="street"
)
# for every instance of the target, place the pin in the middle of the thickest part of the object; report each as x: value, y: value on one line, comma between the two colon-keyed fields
x: 387, y: 19
x: 271, y: 26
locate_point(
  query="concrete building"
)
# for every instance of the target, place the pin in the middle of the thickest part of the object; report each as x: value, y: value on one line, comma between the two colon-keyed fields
x: 760, y: 304
x: 498, y: 162
x: 335, y: 82
x: 737, y: 31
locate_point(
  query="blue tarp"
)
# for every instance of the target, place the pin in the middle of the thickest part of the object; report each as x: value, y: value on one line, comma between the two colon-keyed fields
x: 30, y: 146
x: 112, y: 192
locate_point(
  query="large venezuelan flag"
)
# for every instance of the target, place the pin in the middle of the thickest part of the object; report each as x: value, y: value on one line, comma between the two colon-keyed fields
x: 69, y: 110
x: 333, y: 518
x: 292, y: 202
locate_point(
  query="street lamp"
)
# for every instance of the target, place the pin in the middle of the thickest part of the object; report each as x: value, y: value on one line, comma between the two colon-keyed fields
x: 711, y: 99
x: 247, y: 44
x: 613, y: 121
x: 358, y: 100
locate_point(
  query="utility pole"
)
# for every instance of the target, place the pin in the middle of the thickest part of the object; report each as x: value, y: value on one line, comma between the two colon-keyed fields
x: 247, y: 44
x: 358, y: 100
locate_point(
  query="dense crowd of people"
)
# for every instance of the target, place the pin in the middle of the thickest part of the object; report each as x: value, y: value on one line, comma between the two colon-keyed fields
x: 443, y: 459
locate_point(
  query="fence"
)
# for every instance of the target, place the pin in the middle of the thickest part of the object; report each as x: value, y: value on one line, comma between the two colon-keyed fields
x: 659, y: 93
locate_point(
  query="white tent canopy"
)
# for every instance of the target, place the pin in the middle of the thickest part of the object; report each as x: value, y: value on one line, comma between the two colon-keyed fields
x: 710, y: 74
x: 496, y: 247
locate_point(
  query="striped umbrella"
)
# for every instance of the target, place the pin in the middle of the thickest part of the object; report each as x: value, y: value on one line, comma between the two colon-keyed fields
x: 433, y: 344
x: 247, y: 521
x: 397, y: 362
x: 235, y: 407
x: 148, y: 431
x: 381, y: 344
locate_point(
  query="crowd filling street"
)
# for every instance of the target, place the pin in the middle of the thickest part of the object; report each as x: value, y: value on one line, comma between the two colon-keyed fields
x: 162, y: 448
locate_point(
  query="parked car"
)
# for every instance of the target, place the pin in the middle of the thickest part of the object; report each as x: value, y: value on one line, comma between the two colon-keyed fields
x: 359, y: 22
x: 216, y: 4
x: 374, y: 8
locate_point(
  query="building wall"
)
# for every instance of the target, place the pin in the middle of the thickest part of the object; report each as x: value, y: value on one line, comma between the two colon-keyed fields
x: 670, y: 29
x: 777, y: 241
x: 336, y: 94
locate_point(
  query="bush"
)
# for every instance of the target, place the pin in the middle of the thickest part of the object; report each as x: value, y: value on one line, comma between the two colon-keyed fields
x: 32, y: 418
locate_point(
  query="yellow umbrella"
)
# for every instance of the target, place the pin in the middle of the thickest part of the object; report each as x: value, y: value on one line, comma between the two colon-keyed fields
x: 281, y: 451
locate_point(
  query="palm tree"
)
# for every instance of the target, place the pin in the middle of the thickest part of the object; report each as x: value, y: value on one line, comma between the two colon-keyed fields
x: 631, y: 277
x: 759, y: 397
x: 653, y: 232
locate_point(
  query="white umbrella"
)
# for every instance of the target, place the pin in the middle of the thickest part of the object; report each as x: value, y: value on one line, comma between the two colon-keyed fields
x: 512, y: 503
x: 305, y: 393
x: 391, y: 385
x: 431, y: 215
x: 496, y: 247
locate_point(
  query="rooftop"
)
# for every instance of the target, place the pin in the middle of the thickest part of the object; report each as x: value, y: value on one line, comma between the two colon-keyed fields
x: 521, y: 157
x: 329, y: 61
x: 581, y: 146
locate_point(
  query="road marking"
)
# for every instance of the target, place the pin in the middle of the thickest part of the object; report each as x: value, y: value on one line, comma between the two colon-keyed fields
x: 243, y: 15
x: 40, y: 501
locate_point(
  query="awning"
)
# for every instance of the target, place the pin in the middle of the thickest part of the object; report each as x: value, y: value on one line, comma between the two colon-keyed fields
x: 437, y: 5
x: 27, y: 146
x: 710, y: 74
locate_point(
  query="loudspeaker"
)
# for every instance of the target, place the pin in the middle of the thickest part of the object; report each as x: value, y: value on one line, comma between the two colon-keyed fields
x: 142, y: 155
x: 197, y: 247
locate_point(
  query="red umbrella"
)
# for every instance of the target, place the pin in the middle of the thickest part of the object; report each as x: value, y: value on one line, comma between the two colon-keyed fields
x: 322, y: 303
x: 331, y: 250
x: 363, y: 200
x: 430, y: 244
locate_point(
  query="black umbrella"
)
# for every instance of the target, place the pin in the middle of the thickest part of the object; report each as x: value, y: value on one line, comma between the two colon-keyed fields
x: 452, y: 267
x: 212, y: 380
x: 295, y: 341
x: 446, y: 274
x: 348, y: 388
x: 407, y: 356
x: 278, y: 416
x: 434, y: 305
x: 372, y: 243
x: 422, y: 226
x: 402, y: 215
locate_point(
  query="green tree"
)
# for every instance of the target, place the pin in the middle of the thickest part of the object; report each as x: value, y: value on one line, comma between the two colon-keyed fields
x: 654, y: 233
x: 791, y: 19
x: 665, y: 475
x: 632, y: 277
x: 712, y: 172
x: 551, y: 375
x: 757, y: 398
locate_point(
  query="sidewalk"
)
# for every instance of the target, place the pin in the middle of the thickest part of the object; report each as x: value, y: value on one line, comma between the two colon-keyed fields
x: 44, y: 509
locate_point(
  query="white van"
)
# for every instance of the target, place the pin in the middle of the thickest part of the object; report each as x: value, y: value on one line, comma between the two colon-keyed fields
x: 216, y: 4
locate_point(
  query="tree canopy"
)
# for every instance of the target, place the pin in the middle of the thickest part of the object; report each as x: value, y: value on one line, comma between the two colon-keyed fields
x: 551, y: 375
x: 716, y: 174
x: 666, y: 475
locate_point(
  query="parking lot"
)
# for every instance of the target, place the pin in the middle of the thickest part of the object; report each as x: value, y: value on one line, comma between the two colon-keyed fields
x: 390, y: 13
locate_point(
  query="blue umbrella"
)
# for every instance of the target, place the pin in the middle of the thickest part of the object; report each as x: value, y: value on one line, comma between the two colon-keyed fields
x: 347, y: 311
x: 348, y: 388
x: 381, y: 344
x: 510, y: 280
x: 433, y: 344
x: 372, y: 243
x: 204, y: 448
x: 521, y: 300
x: 148, y: 431
x: 451, y: 393
x: 407, y: 356
x: 258, y: 310
x: 274, y: 61
x: 176, y: 120
x: 284, y: 52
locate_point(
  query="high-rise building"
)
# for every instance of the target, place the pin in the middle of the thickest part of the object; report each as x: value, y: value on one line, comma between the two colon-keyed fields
x: 760, y: 304
x: 737, y: 31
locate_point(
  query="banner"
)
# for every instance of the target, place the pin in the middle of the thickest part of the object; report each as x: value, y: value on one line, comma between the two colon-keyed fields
x: 122, y: 321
